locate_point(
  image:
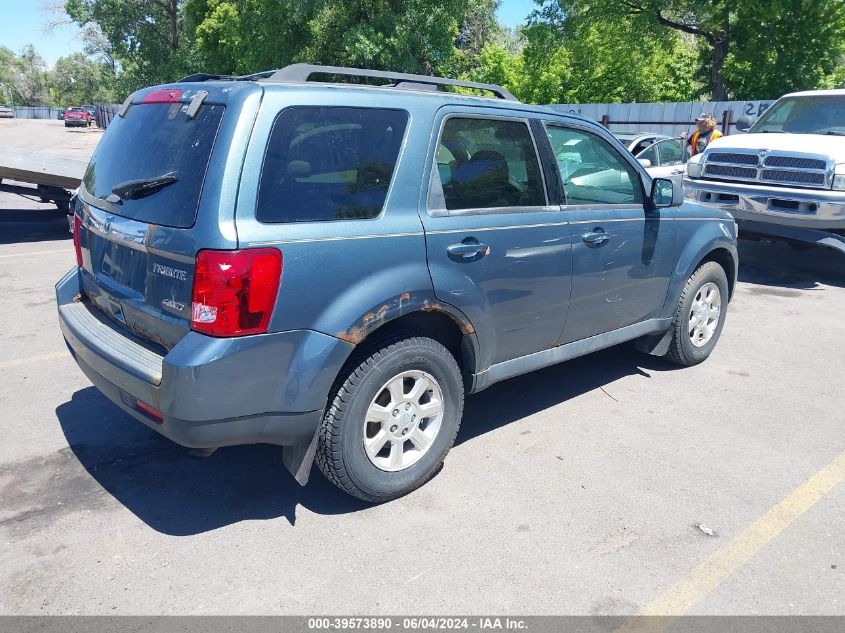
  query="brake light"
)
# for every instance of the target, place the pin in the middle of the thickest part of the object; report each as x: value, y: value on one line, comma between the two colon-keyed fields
x: 162, y: 96
x: 235, y: 291
x: 77, y: 238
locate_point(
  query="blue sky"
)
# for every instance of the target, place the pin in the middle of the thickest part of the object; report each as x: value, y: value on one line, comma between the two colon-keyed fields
x: 513, y: 12
x: 23, y: 22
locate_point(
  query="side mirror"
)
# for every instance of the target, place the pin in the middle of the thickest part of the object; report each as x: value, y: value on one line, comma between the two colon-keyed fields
x: 665, y: 193
x: 646, y: 163
x: 744, y: 123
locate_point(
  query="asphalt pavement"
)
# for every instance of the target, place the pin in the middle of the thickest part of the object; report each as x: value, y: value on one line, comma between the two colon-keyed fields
x: 609, y: 485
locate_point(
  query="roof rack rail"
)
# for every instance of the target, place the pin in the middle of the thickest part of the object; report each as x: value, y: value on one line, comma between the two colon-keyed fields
x: 300, y: 73
x: 208, y: 77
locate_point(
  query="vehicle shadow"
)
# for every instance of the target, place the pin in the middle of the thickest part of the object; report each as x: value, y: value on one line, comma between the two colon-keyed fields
x: 519, y: 397
x: 795, y: 266
x: 178, y: 495
x: 33, y: 225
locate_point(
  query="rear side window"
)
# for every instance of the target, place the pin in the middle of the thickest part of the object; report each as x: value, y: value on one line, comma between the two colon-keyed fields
x: 154, y: 141
x: 484, y: 164
x: 329, y: 163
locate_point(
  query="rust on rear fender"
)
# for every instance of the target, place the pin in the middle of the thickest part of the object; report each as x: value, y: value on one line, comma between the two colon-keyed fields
x: 405, y: 303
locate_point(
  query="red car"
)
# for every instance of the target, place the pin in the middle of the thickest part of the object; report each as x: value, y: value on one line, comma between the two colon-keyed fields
x: 77, y: 116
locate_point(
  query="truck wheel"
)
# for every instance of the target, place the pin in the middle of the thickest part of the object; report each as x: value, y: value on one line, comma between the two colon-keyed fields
x: 700, y: 315
x: 393, y: 420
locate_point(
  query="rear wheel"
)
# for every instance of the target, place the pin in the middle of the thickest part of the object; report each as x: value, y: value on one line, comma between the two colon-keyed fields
x: 393, y: 420
x: 700, y: 316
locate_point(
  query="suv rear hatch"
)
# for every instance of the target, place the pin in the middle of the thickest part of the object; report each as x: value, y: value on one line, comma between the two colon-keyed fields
x: 136, y: 228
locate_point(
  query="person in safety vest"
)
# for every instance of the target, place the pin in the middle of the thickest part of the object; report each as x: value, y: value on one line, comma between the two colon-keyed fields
x: 705, y: 133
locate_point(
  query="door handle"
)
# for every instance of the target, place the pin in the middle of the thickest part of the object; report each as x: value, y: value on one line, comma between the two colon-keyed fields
x: 596, y: 237
x: 468, y: 251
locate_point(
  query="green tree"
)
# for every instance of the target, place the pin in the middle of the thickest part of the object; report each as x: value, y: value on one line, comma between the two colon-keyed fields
x: 402, y: 35
x: 570, y: 58
x: 428, y: 36
x: 246, y: 36
x: 744, y: 47
x: 28, y: 77
x: 146, y: 36
x: 7, y: 86
x: 78, y: 79
x: 622, y: 59
x: 477, y: 30
x: 787, y: 45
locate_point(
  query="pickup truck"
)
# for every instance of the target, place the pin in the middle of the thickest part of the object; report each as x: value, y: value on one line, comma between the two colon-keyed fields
x: 784, y: 178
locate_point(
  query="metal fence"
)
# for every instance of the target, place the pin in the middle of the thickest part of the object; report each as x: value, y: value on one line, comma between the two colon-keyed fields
x: 103, y: 116
x: 36, y: 112
x: 665, y: 118
x: 105, y: 113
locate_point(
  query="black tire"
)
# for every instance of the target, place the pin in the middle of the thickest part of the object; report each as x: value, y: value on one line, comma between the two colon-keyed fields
x: 340, y: 451
x: 681, y: 350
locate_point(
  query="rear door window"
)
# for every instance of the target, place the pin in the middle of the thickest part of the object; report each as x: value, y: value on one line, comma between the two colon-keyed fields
x: 484, y: 164
x: 329, y: 163
x: 155, y: 141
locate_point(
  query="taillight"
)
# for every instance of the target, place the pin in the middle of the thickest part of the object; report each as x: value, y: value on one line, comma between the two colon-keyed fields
x: 162, y: 96
x: 235, y: 291
x: 77, y: 238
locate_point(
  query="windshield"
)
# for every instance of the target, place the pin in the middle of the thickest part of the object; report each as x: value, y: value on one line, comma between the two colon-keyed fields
x: 150, y: 164
x: 804, y: 115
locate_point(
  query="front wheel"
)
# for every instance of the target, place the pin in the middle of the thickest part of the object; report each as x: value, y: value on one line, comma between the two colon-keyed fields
x: 700, y: 316
x: 393, y: 420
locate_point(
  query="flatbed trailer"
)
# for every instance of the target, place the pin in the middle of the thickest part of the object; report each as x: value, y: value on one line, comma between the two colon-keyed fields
x: 55, y: 177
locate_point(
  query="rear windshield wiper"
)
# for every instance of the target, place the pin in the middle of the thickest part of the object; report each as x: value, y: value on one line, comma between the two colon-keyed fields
x: 834, y: 133
x: 132, y: 189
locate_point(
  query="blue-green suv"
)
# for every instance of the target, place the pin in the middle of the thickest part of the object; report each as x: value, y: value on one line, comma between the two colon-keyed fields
x: 330, y: 267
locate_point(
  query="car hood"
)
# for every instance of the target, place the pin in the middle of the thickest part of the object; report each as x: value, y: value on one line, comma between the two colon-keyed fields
x: 818, y: 144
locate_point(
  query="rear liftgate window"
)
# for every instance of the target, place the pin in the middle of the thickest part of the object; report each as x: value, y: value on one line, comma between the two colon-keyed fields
x: 156, y: 144
x: 329, y: 163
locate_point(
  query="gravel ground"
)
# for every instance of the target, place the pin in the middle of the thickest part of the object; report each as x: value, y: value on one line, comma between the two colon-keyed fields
x: 605, y: 485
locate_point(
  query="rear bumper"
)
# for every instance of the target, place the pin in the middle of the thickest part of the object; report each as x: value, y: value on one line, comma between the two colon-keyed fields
x: 270, y: 388
x: 819, y: 209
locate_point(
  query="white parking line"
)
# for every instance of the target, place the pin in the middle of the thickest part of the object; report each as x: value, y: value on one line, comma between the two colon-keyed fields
x: 32, y: 359
x: 64, y: 250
